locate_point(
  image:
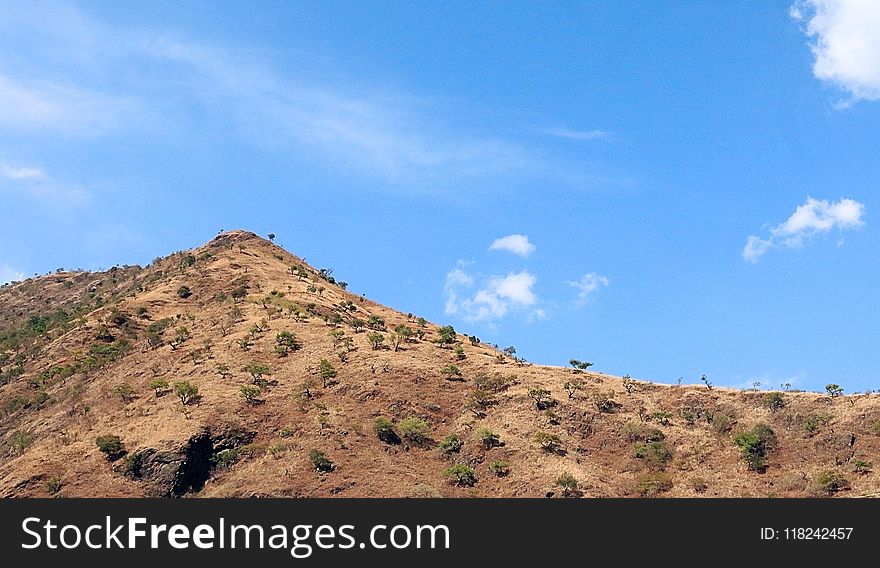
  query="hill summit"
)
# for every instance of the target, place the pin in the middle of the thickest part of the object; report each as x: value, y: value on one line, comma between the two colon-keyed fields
x: 236, y: 370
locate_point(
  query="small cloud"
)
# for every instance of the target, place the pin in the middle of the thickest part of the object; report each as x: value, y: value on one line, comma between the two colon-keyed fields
x: 36, y: 183
x: 847, y: 45
x: 20, y: 173
x: 587, y: 285
x: 814, y: 217
x: 560, y: 132
x: 493, y: 300
x: 517, y: 244
x: 9, y: 274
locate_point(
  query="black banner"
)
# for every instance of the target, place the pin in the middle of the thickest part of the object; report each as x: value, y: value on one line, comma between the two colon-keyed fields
x: 435, y: 532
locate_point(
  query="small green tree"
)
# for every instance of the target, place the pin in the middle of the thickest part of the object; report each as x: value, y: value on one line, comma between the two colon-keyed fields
x: 549, y: 442
x: 111, y: 446
x: 376, y: 340
x: 285, y: 342
x: 250, y: 393
x: 541, y: 397
x: 446, y: 336
x: 573, y: 386
x: 834, y: 390
x: 487, y: 437
x: 568, y: 483
x: 159, y: 386
x: 327, y: 371
x: 461, y: 474
x: 755, y: 444
x: 774, y: 401
x: 451, y: 444
x: 125, y: 391
x: 579, y: 365
x: 257, y: 370
x: 414, y: 429
x: 186, y: 392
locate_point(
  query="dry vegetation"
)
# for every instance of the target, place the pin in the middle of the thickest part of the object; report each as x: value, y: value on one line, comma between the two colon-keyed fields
x: 237, y: 370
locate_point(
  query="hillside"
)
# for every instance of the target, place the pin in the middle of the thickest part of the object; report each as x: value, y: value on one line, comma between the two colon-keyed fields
x: 247, y: 324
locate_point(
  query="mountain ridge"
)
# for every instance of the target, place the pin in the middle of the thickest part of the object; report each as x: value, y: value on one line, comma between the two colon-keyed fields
x: 293, y: 390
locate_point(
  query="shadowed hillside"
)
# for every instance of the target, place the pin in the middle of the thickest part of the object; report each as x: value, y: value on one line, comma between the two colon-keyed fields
x: 236, y: 369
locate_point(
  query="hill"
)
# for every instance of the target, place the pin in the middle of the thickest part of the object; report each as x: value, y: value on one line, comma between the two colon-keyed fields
x: 236, y: 369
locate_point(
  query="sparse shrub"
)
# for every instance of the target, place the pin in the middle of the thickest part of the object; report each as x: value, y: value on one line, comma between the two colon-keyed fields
x: 832, y: 481
x: 549, y: 442
x: 225, y: 459
x: 257, y: 370
x: 446, y: 336
x: 451, y: 444
x: 499, y: 467
x: 862, y: 467
x: 629, y: 384
x: 53, y: 485
x: 125, y: 391
x: 542, y: 397
x: 459, y: 353
x: 451, y: 373
x: 223, y: 370
x: 605, y: 402
x: 111, y: 446
x: 722, y: 423
x: 755, y: 444
x: 812, y: 423
x: 653, y: 483
x: 461, y: 474
x: 635, y: 432
x: 425, y: 491
x: 834, y: 390
x: 414, y: 429
x: 159, y: 386
x: 654, y: 454
x: 567, y: 483
x: 285, y: 342
x: 327, y: 371
x: 662, y: 417
x: 186, y: 392
x: 376, y: 340
x: 320, y: 460
x: 385, y: 430
x: 250, y: 393
x: 19, y: 441
x: 875, y: 427
x: 579, y: 365
x: 573, y: 386
x: 479, y: 401
x: 699, y: 485
x: 496, y: 382
x: 376, y: 323
x: 487, y: 437
x: 774, y: 401
x: 184, y: 292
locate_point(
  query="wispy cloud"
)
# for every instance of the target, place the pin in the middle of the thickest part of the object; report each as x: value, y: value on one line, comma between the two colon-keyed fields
x: 588, y: 284
x: 517, y: 244
x: 847, y: 44
x: 561, y: 132
x: 9, y: 274
x: 815, y: 216
x: 36, y: 183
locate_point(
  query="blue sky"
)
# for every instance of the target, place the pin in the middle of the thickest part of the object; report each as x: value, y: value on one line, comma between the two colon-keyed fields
x: 669, y: 192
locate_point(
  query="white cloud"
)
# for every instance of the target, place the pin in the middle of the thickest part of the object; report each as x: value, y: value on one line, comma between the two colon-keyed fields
x: 560, y: 132
x: 493, y: 300
x: 587, y: 285
x: 814, y: 217
x: 9, y: 274
x: 517, y: 244
x: 34, y: 182
x: 847, y: 43
x: 16, y: 173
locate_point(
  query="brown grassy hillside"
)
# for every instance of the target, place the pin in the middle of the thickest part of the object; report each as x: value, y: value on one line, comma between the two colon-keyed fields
x: 86, y: 355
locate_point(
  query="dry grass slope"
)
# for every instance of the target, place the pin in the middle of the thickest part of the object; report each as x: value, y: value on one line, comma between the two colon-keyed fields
x: 236, y: 369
